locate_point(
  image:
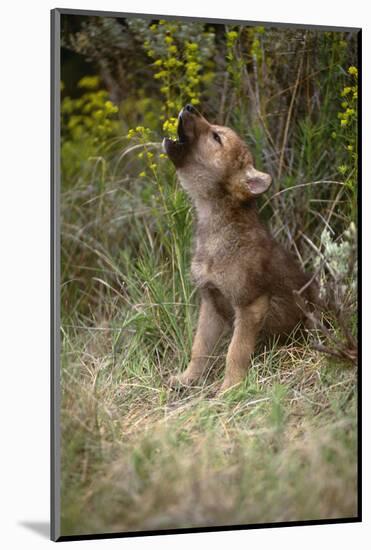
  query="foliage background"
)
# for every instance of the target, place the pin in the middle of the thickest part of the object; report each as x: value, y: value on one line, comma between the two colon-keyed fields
x: 283, y: 447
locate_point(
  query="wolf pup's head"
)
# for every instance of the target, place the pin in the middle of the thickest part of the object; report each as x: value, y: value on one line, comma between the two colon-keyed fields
x: 212, y: 160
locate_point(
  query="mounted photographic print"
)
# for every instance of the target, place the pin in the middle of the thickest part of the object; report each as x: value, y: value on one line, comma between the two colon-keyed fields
x: 205, y: 206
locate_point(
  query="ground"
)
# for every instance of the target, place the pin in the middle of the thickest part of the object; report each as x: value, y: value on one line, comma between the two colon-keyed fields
x: 139, y: 456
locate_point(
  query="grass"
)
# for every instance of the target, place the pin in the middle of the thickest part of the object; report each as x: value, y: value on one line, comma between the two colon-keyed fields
x: 138, y: 456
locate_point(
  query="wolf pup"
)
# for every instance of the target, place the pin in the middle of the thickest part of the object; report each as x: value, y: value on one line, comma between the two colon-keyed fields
x: 245, y: 277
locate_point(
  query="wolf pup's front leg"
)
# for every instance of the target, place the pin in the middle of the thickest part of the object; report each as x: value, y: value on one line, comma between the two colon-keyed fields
x: 247, y: 325
x: 209, y: 329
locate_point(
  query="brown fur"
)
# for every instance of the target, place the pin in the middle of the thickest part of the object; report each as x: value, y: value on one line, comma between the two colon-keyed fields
x: 245, y: 277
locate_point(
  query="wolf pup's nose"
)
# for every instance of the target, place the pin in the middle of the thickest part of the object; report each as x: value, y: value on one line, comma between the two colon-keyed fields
x: 190, y: 108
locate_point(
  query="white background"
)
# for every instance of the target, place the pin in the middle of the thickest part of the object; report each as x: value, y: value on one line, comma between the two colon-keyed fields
x: 24, y: 268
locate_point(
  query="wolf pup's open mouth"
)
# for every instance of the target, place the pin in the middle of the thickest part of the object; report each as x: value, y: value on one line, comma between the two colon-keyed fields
x: 176, y: 149
x: 182, y: 138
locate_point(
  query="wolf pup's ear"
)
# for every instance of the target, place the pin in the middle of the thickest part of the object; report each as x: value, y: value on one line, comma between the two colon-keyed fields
x: 257, y: 182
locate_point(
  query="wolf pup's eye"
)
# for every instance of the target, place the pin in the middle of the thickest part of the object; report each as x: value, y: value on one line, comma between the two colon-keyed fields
x: 217, y: 137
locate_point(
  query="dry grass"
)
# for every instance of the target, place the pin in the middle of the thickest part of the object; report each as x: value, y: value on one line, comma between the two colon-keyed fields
x: 139, y: 456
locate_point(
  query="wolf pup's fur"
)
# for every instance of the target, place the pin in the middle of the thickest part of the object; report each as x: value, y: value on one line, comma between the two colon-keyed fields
x: 245, y: 277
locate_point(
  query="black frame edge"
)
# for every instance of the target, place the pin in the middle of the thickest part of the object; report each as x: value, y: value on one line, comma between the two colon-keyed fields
x: 225, y: 528
x: 54, y: 277
x: 359, y: 275
x: 99, y: 13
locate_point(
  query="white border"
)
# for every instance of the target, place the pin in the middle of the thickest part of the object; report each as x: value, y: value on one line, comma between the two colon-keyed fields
x: 24, y: 219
